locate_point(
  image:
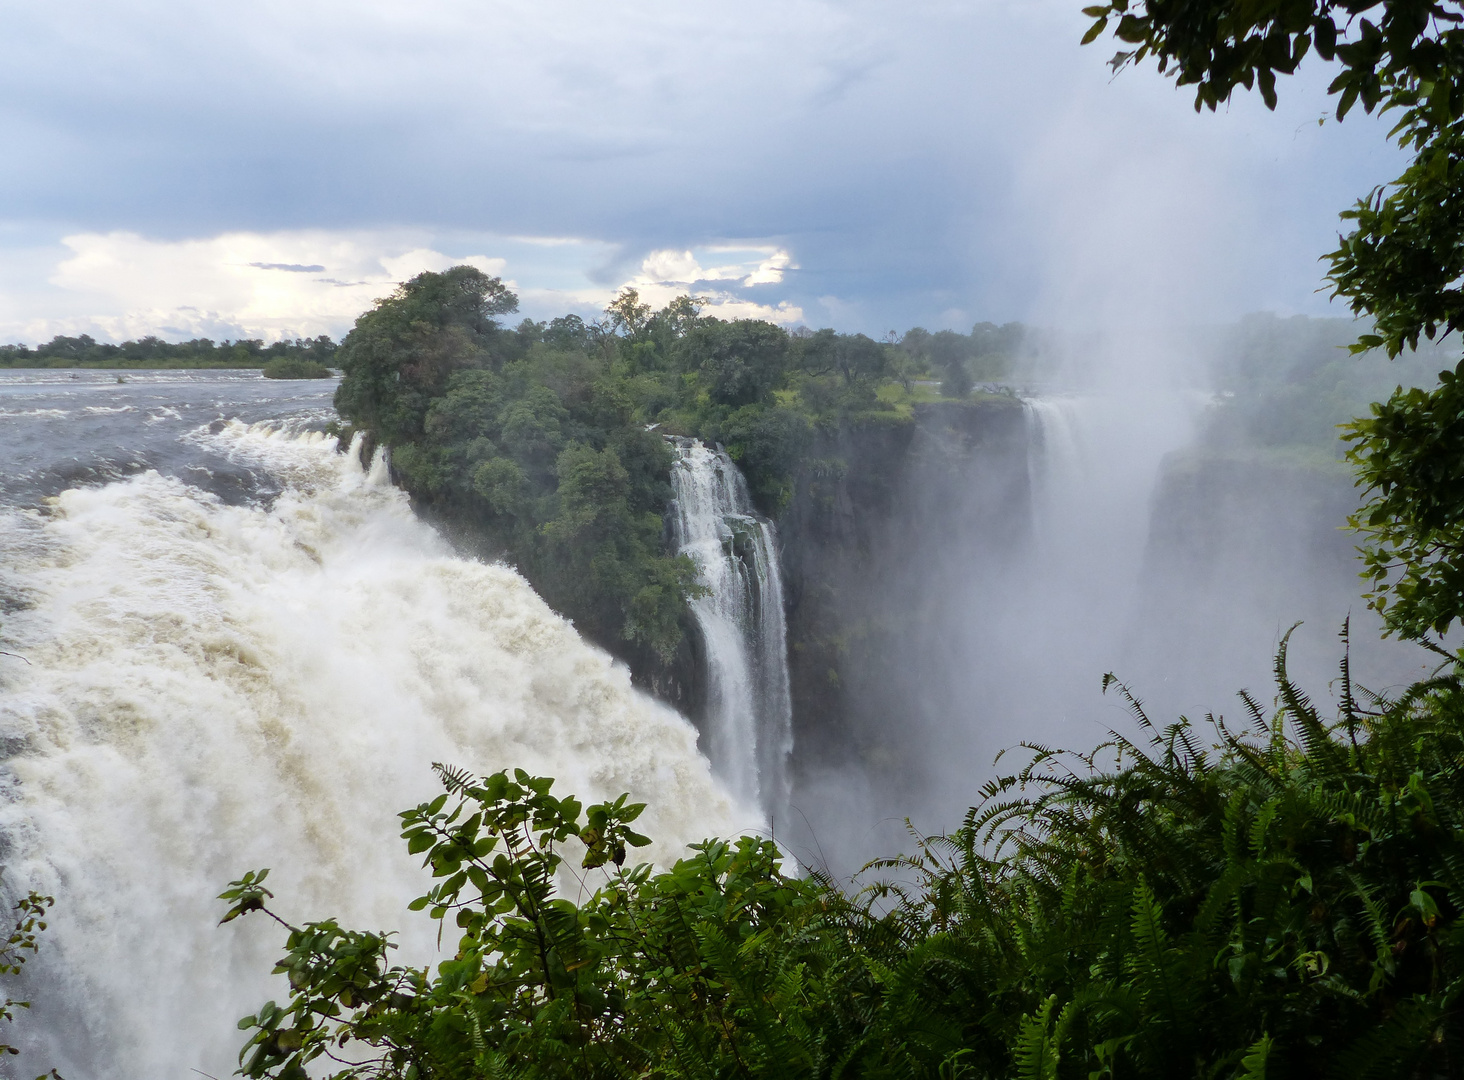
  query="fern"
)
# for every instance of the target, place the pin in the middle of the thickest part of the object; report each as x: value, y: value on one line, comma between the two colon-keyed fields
x: 1198, y: 900
x: 1036, y: 1052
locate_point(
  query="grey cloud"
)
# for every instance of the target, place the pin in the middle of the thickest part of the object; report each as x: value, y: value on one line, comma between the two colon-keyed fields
x: 905, y: 156
x: 294, y: 268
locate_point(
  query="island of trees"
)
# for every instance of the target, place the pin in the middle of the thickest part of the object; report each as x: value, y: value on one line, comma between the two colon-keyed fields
x: 545, y: 443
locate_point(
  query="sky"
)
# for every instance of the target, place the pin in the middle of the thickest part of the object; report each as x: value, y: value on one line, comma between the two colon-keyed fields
x: 269, y: 169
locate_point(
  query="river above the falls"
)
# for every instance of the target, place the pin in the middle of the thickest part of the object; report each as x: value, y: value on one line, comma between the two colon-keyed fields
x: 61, y: 429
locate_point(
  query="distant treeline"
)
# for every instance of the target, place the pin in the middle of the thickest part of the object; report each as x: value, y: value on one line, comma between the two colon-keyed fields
x: 1285, y: 384
x: 962, y: 360
x: 154, y: 352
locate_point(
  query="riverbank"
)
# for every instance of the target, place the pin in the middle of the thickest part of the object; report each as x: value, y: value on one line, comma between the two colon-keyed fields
x: 121, y: 364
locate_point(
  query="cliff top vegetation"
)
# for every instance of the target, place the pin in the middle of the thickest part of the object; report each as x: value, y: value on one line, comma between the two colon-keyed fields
x: 1285, y: 388
x: 544, y: 442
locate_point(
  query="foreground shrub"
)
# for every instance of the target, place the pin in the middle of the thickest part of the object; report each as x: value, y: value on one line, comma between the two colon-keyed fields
x: 1284, y: 901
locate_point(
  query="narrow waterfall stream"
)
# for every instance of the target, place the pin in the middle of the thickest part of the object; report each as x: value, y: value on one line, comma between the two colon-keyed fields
x: 749, y: 713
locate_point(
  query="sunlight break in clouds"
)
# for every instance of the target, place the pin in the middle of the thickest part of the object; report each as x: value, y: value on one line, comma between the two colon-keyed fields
x: 669, y: 273
x: 268, y: 285
x: 299, y: 284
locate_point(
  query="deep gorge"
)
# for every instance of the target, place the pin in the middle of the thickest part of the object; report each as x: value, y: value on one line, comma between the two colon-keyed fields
x: 959, y: 569
x: 956, y: 573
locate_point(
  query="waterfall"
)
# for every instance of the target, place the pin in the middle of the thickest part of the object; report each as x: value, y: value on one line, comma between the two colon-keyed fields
x: 213, y: 688
x: 1055, y: 459
x: 1093, y: 461
x: 749, y: 714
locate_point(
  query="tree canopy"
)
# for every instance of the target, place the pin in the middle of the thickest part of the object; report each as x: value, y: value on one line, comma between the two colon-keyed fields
x: 153, y: 352
x: 544, y: 442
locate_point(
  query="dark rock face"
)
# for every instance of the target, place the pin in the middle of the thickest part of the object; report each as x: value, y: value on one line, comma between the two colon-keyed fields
x: 1222, y: 522
x: 883, y: 519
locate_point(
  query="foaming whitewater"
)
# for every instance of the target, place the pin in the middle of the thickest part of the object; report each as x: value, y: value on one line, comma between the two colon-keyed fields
x: 213, y: 688
x: 749, y: 712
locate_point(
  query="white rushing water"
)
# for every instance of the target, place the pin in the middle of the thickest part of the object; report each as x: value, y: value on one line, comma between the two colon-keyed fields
x: 749, y: 714
x: 215, y: 688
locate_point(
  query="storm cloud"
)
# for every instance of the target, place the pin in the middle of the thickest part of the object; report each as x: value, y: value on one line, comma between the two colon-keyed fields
x: 853, y: 164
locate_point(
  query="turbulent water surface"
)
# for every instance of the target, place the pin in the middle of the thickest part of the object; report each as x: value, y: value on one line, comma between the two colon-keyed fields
x: 236, y: 647
x: 61, y: 429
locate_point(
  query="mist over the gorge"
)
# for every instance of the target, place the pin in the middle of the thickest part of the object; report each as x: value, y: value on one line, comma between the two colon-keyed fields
x: 960, y: 543
x: 1165, y: 506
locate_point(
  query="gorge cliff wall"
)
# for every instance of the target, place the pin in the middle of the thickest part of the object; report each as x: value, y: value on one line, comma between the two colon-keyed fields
x: 1242, y: 547
x: 885, y: 516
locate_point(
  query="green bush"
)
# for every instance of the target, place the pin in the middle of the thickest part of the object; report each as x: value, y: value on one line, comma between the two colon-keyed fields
x: 294, y: 367
x: 1284, y: 902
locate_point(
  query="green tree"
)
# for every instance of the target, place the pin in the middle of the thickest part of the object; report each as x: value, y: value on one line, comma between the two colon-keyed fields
x: 1410, y: 454
x: 740, y: 361
x: 18, y: 946
x: 859, y: 359
x: 530, y: 442
x: 1400, y: 266
x: 714, y: 967
x: 608, y: 552
x: 401, y: 353
x: 949, y: 351
x: 295, y: 367
x: 627, y: 315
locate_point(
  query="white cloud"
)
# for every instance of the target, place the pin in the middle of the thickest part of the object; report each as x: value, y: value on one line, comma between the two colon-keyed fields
x: 668, y: 273
x: 301, y: 283
x: 917, y: 158
x: 269, y: 285
x: 783, y: 312
x: 751, y: 265
x: 671, y: 267
x: 770, y: 270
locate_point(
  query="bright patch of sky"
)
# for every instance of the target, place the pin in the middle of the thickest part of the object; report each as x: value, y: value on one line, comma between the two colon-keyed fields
x: 270, y: 168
